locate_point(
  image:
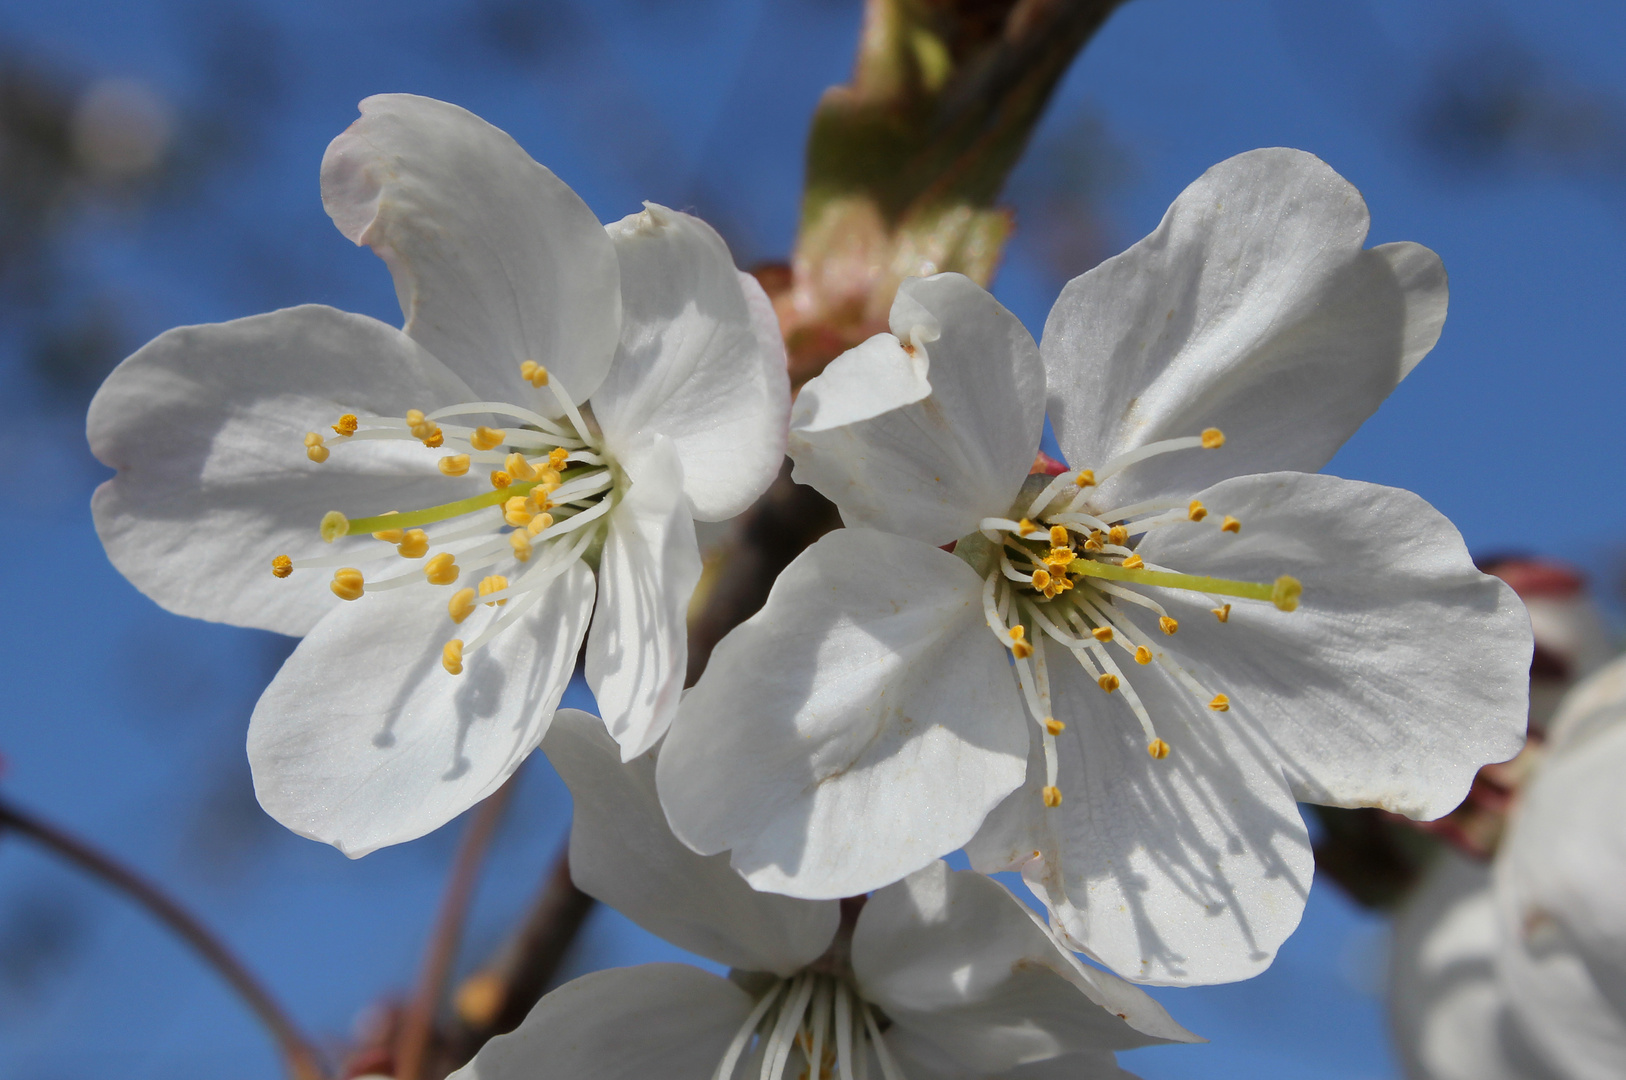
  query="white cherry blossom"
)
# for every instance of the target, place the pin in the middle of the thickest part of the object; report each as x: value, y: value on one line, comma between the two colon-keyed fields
x: 427, y: 507
x: 1160, y: 649
x: 942, y: 975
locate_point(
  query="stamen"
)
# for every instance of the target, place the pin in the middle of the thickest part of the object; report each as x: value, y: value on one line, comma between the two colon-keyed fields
x: 1019, y: 645
x: 534, y: 373
x: 1059, y: 537
x: 1086, y: 478
x: 1230, y: 525
x: 742, y: 1037
x: 347, y: 425
x: 494, y: 583
x: 521, y: 543
x: 1143, y: 655
x: 461, y: 605
x: 1051, y: 796
x: 1102, y: 633
x: 538, y: 524
x: 282, y: 566
x: 1151, y: 450
x: 314, y: 448
x: 500, y: 479
x: 334, y: 525
x: 844, y: 1032
x: 414, y: 544
x: 517, y: 467
x: 1213, y: 438
x: 1221, y: 703
x: 1222, y: 613
x: 557, y: 457
x: 1196, y: 511
x: 1024, y: 527
x: 454, y: 464
x: 1158, y: 749
x: 1108, y: 682
x: 442, y: 569
x: 389, y: 536
x: 1040, y: 579
x: 451, y: 657
x: 1169, y: 626
x: 514, y: 511
x: 487, y: 438
x: 347, y: 583
x: 1054, y: 726
x: 1118, y: 535
x: 1134, y: 562
x: 784, y: 1036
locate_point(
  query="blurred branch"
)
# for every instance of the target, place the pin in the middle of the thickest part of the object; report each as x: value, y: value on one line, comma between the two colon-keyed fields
x: 297, y: 1051
x: 414, y: 1048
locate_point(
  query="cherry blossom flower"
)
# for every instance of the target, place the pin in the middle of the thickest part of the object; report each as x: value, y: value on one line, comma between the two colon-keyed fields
x: 944, y: 974
x: 1159, y: 649
x: 427, y: 507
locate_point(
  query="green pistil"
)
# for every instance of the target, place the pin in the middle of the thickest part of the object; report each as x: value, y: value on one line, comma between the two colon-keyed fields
x: 1283, y: 592
x: 429, y: 515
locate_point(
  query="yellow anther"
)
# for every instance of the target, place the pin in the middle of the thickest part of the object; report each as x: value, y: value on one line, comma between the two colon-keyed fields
x: 1052, y: 726
x: 518, y: 467
x: 314, y: 448
x: 548, y: 479
x: 1102, y: 633
x: 1041, y: 579
x: 1086, y: 478
x: 534, y: 373
x: 1093, y: 543
x: 494, y: 583
x: 536, y: 501
x: 500, y: 479
x: 1196, y: 511
x: 1051, y: 796
x: 1059, y: 557
x: 334, y: 525
x: 1108, y: 682
x: 389, y: 536
x: 1134, y: 562
x: 312, y: 439
x: 347, y: 424
x: 487, y: 438
x: 1222, y: 613
x: 1221, y: 703
x: 1018, y: 633
x: 435, y: 439
x: 454, y: 464
x: 1167, y: 625
x: 442, y: 569
x: 451, y: 657
x: 1021, y: 650
x: 557, y: 457
x: 414, y: 544
x: 461, y: 605
x: 347, y: 583
x: 282, y: 566
x: 1230, y: 525
x: 1052, y: 589
x: 514, y: 511
x: 1025, y: 526
x: 416, y: 418
x: 538, y: 523
x: 1059, y: 537
x: 1213, y: 438
x: 1286, y: 592
x: 521, y: 543
x: 1143, y: 655
x: 1118, y: 535
x: 1158, y: 749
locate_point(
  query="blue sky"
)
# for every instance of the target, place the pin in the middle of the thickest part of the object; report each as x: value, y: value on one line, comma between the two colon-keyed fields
x: 127, y: 723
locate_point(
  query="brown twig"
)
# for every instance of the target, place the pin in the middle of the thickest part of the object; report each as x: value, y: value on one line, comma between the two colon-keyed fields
x: 297, y: 1051
x: 418, y: 1021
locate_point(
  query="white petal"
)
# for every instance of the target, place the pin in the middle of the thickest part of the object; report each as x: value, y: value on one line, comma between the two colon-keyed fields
x: 954, y: 958
x: 1450, y: 1018
x: 205, y: 425
x: 623, y: 853
x: 1404, y: 668
x: 1560, y: 877
x: 701, y: 362
x: 669, y: 1021
x: 496, y: 261
x: 858, y: 727
x: 637, y: 652
x: 930, y: 469
x: 1251, y: 308
x: 868, y: 380
x: 363, y: 740
x: 1192, y: 869
x: 920, y: 1059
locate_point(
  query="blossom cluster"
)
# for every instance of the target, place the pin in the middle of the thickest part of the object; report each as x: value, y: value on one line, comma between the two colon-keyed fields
x: 1115, y: 673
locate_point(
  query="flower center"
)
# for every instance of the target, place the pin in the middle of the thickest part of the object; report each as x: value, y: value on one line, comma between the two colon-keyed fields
x: 544, y: 487
x: 1064, y: 570
x: 818, y: 1014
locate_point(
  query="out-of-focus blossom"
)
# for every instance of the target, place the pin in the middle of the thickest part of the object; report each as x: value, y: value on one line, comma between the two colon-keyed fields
x: 1143, y: 608
x: 944, y: 974
x: 428, y: 506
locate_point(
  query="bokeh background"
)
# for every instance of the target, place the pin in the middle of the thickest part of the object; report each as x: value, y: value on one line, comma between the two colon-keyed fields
x: 158, y: 166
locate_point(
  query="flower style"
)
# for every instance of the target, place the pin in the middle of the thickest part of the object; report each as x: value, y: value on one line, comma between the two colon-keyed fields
x: 944, y: 974
x: 1512, y: 971
x: 1195, y: 643
x: 424, y: 505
